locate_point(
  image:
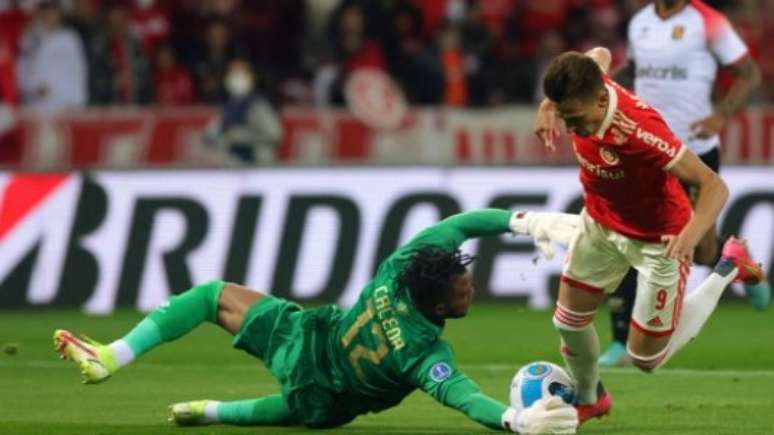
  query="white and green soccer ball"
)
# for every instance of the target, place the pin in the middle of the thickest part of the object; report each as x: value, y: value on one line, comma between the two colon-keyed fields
x: 540, y: 379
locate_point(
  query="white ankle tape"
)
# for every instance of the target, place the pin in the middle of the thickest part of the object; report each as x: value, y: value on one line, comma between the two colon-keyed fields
x: 650, y: 361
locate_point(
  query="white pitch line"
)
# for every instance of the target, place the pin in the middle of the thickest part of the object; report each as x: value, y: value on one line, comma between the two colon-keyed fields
x: 46, y: 364
x: 633, y: 371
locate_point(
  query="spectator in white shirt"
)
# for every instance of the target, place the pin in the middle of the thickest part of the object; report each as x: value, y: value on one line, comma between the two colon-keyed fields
x: 52, y: 67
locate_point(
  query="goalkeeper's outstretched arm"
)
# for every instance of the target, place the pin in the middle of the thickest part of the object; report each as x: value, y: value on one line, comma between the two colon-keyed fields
x: 543, y: 227
x: 451, y: 232
x: 547, y: 415
x: 461, y: 393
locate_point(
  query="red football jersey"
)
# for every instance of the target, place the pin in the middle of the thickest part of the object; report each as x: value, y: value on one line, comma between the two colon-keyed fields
x: 624, y: 170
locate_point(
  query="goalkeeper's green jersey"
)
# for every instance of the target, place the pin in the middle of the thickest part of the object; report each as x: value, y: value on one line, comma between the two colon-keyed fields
x: 374, y: 354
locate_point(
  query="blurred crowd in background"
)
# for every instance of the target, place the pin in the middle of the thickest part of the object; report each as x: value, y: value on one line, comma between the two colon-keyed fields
x: 75, y: 53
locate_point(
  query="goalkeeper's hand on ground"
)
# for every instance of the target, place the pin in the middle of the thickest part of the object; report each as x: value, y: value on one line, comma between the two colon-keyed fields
x: 546, y: 228
x: 549, y: 415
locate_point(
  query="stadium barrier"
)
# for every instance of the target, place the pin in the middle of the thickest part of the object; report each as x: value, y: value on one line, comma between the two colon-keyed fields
x: 139, y: 138
x: 125, y: 238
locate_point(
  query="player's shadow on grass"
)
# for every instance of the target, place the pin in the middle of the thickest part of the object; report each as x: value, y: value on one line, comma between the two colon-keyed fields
x: 404, y: 430
x: 656, y: 429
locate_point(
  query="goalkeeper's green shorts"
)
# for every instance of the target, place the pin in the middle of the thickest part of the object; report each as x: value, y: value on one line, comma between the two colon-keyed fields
x: 291, y: 342
x: 269, y: 328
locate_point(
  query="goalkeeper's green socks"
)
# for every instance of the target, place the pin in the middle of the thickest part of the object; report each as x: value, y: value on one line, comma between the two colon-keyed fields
x: 175, y: 318
x: 266, y: 411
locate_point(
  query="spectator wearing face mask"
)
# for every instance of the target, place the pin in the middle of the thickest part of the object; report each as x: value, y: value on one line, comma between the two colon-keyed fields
x: 211, y: 60
x: 248, y: 130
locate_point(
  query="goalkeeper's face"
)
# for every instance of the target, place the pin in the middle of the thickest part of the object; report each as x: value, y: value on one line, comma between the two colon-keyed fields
x: 460, y: 296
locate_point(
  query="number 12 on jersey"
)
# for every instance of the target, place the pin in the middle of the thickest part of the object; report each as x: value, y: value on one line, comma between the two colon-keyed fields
x: 359, y: 352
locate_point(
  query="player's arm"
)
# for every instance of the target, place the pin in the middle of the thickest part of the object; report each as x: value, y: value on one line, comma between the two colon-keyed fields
x: 713, y: 194
x: 437, y: 375
x: 747, y: 77
x: 655, y: 144
x: 732, y: 53
x: 544, y: 227
x: 602, y: 57
x: 465, y: 396
x: 624, y: 75
x: 451, y: 232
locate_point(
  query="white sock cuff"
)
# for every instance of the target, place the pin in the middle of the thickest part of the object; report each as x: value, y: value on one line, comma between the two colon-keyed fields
x: 575, y: 313
x: 211, y: 411
x: 572, y: 320
x: 122, y: 353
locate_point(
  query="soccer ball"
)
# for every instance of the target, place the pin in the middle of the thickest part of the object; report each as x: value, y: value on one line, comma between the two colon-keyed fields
x: 540, y: 379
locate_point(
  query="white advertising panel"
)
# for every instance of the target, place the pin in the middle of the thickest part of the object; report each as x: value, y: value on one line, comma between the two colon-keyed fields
x: 131, y: 238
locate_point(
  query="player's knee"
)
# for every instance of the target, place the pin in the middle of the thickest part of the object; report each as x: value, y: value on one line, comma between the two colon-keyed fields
x: 235, y: 301
x: 647, y: 363
x: 569, y: 320
x: 238, y: 298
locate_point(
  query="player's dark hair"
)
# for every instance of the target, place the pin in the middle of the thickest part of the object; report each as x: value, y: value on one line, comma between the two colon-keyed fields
x: 429, y: 274
x: 572, y: 76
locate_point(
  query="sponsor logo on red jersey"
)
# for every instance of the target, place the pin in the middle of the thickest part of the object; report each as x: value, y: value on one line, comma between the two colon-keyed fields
x: 655, y: 141
x: 609, y: 156
x: 599, y: 171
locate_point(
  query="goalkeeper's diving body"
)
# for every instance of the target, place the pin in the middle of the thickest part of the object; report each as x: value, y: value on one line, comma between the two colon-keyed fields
x: 335, y: 364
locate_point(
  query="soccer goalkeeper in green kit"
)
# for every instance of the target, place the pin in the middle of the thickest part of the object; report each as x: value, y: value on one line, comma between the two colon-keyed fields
x: 335, y: 364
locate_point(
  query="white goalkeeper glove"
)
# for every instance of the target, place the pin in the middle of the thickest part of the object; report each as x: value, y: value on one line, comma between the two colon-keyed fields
x: 546, y: 228
x: 549, y: 415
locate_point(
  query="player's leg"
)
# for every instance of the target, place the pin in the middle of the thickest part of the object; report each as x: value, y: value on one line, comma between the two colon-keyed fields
x: 710, y: 247
x: 661, y: 310
x: 213, y: 301
x: 593, y: 268
x: 252, y: 318
x: 266, y: 411
x: 657, y: 306
x: 758, y: 290
x: 179, y: 315
x: 233, y: 305
x: 735, y: 266
x: 621, y: 304
x: 573, y: 318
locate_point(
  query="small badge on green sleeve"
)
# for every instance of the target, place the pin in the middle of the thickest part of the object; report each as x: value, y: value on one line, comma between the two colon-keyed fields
x: 440, y: 371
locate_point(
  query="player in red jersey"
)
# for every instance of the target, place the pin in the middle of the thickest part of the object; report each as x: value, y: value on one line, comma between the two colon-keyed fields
x: 676, y: 76
x: 636, y: 215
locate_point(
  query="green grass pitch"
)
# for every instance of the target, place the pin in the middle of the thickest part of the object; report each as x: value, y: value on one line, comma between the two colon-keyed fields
x: 723, y: 383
